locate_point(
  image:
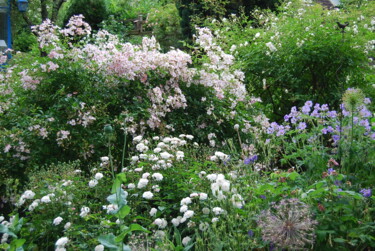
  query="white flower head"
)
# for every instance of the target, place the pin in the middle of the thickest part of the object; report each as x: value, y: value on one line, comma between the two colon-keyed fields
x: 84, y: 211
x: 142, y: 183
x: 45, y: 199
x: 165, y: 155
x: 183, y: 208
x: 99, y: 248
x: 185, y: 201
x: 153, y: 212
x: 62, y: 242
x: 57, y: 221
x: 161, y: 223
x: 28, y: 195
x: 217, y: 210
x: 188, y: 214
x: 176, y: 221
x: 186, y: 240
x: 157, y: 176
x: 67, y: 225
x: 137, y: 139
x: 98, y: 176
x: 93, y: 183
x: 203, y: 196
x: 148, y: 195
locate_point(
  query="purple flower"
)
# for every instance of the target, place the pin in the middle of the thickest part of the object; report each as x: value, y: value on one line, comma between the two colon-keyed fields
x: 345, y: 113
x: 250, y: 233
x: 364, y: 123
x: 250, y: 160
x: 315, y: 113
x: 365, y: 113
x: 309, y: 103
x: 286, y: 118
x: 294, y: 120
x: 263, y: 197
x: 317, y: 107
x: 329, y: 129
x: 324, y: 131
x: 306, y: 109
x: 332, y: 114
x: 367, y: 101
x: 330, y: 171
x: 366, y: 192
x: 324, y: 107
x: 337, y: 183
x: 302, y: 126
x: 335, y: 138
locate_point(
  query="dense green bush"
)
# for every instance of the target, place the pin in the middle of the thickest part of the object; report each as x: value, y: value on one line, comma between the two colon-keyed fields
x: 301, y: 54
x: 94, y: 11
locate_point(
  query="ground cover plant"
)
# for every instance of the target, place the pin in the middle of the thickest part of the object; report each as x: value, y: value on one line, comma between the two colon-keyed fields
x: 108, y: 145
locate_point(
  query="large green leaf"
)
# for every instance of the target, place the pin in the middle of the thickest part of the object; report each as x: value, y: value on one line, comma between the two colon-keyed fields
x: 108, y: 241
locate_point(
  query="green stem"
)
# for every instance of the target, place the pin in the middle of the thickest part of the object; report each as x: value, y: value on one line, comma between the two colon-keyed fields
x: 110, y: 159
x: 123, y: 148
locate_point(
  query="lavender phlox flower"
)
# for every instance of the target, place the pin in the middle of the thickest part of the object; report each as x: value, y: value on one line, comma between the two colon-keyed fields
x: 286, y: 118
x: 306, y: 109
x: 315, y: 113
x: 355, y: 120
x: 332, y: 114
x: 262, y: 197
x: 365, y: 113
x: 324, y: 130
x: 335, y: 138
x: 302, y: 126
x: 366, y: 192
x: 317, y: 107
x: 309, y: 103
x: 293, y: 111
x: 288, y: 224
x: 324, y: 107
x: 281, y: 131
x: 345, y: 113
x: 293, y: 120
x: 330, y: 171
x: 251, y: 160
x: 367, y: 101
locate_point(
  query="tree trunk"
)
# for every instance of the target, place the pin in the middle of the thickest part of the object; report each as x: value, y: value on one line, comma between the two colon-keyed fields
x: 44, y: 12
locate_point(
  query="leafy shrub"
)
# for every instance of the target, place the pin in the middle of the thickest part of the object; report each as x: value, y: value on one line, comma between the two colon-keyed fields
x: 165, y: 25
x: 287, y: 61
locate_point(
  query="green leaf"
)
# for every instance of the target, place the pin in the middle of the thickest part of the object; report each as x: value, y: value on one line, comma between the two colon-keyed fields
x: 137, y: 227
x: 293, y: 175
x: 123, y: 212
x: 108, y: 241
x: 339, y: 240
x: 5, y: 230
x: 119, y: 198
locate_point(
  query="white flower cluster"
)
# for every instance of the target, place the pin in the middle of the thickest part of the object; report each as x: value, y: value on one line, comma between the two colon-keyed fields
x: 95, y: 181
x: 219, y: 156
x: 27, y: 195
x: 60, y: 244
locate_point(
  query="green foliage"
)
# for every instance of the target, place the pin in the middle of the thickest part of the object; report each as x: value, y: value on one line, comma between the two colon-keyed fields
x: 194, y: 12
x: 24, y: 41
x: 165, y: 24
x: 287, y: 62
x: 94, y: 15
